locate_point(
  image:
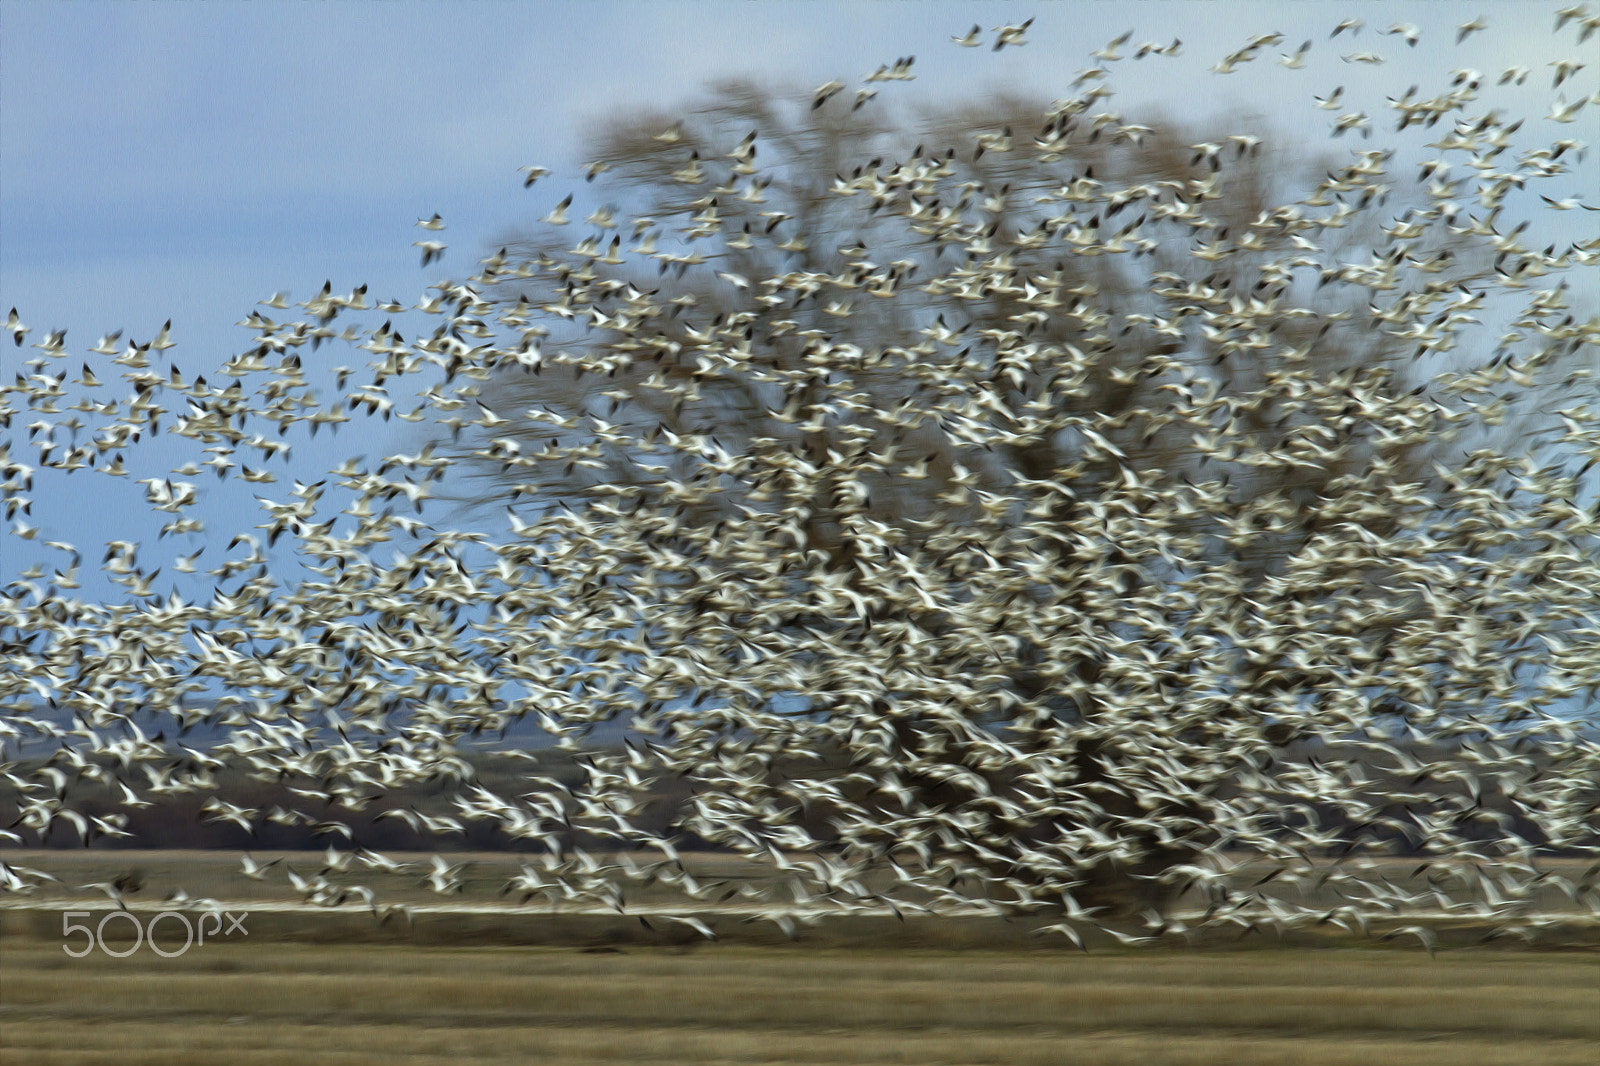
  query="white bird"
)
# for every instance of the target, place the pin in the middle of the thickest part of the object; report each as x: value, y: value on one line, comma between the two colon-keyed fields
x: 1015, y: 35
x: 1409, y: 31
x: 1065, y: 929
x: 112, y: 892
x: 692, y: 922
x: 558, y: 214
x: 900, y: 70
x: 17, y: 329
x: 434, y: 223
x: 444, y: 879
x: 1108, y: 53
x: 1565, y: 68
x: 1298, y: 60
x: 256, y: 871
x: 1355, y: 120
x: 1427, y: 936
x: 1569, y: 13
x: 1210, y: 153
x: 1149, y: 48
x: 1561, y: 111
x: 973, y: 38
x: 1568, y: 203
x: 825, y: 92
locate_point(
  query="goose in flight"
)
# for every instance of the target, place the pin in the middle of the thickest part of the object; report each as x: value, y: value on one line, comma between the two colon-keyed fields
x: 1567, y: 14
x: 558, y: 214
x: 1409, y: 31
x: 1297, y: 61
x: 1013, y: 35
x: 16, y: 328
x: 1561, y: 111
x: 256, y: 871
x: 825, y: 92
x: 1565, y: 68
x: 1108, y: 53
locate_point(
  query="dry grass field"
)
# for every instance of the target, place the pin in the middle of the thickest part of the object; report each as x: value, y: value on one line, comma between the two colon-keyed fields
x: 468, y: 982
x: 258, y: 1003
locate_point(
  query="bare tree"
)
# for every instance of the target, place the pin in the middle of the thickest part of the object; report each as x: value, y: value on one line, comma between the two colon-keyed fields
x: 837, y: 285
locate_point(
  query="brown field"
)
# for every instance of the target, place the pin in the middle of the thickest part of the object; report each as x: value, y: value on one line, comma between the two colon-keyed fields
x: 465, y: 984
x: 268, y: 1003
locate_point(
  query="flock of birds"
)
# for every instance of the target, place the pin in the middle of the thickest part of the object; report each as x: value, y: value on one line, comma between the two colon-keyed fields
x: 1029, y: 685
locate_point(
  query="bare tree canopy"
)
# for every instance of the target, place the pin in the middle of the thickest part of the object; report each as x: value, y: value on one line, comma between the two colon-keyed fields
x: 1045, y: 417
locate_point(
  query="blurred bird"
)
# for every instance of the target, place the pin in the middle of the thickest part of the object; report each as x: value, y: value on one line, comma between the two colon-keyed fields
x: 558, y: 214
x: 17, y: 329
x: 1410, y: 32
x: 1015, y: 35
x: 825, y: 92
x: 1298, y: 60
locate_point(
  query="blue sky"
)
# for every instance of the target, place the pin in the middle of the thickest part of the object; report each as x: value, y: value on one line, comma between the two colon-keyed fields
x: 185, y: 160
